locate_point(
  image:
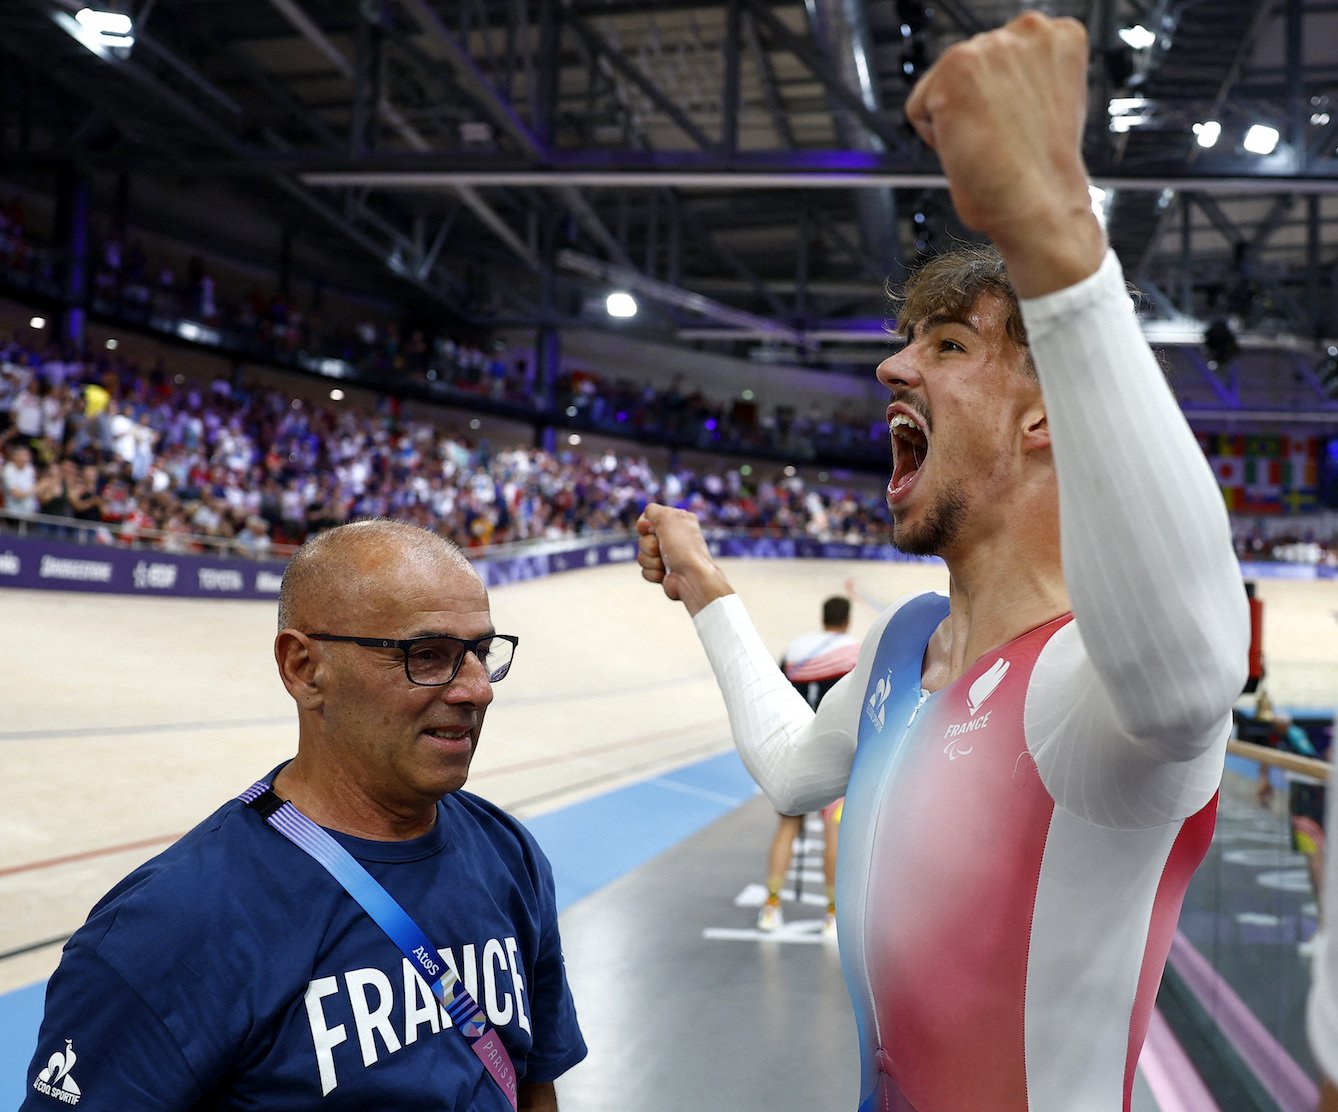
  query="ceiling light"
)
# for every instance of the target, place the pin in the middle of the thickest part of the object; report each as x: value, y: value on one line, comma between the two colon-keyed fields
x: 37, y: 322
x: 1138, y: 37
x: 1127, y: 112
x: 1208, y: 133
x: 913, y: 15
x: 104, y: 23
x: 110, y: 35
x: 620, y: 303
x: 1122, y: 106
x: 1120, y: 124
x: 336, y: 395
x: 1261, y: 139
x: 914, y: 59
x: 574, y: 439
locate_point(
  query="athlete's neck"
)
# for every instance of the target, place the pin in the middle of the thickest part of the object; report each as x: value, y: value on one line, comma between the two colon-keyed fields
x: 996, y: 593
x: 338, y: 803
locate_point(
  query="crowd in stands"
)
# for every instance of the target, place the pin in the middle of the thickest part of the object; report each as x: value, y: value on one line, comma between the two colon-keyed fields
x: 1290, y: 546
x: 684, y: 415
x: 142, y: 453
x: 127, y: 453
x: 126, y: 283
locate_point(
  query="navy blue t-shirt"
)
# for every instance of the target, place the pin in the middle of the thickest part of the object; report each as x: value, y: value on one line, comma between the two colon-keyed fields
x: 233, y: 972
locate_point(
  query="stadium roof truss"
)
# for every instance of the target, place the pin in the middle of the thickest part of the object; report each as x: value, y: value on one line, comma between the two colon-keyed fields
x: 742, y: 165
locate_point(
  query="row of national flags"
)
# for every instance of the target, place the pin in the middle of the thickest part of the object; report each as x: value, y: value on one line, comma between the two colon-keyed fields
x: 1265, y: 474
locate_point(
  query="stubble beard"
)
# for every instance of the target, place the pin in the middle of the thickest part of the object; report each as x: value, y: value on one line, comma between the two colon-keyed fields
x: 939, y: 528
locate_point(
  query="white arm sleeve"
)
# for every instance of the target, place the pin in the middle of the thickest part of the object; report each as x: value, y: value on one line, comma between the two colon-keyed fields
x: 1143, y: 680
x: 1146, y: 675
x: 800, y: 758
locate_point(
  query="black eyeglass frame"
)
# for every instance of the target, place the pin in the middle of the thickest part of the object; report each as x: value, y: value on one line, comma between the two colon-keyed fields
x: 468, y: 645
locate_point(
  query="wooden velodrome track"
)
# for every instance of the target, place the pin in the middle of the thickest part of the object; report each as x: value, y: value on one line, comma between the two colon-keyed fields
x: 126, y: 720
x: 123, y: 721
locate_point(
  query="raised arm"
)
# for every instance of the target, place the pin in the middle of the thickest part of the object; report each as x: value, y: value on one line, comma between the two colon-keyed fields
x: 1005, y: 111
x: 1156, y: 589
x: 1147, y: 556
x: 801, y: 760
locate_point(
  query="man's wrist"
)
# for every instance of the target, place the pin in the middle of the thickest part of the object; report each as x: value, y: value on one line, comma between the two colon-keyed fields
x: 1052, y: 253
x: 698, y: 591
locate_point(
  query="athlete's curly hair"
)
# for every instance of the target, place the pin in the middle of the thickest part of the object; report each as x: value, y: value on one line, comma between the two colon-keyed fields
x: 950, y: 283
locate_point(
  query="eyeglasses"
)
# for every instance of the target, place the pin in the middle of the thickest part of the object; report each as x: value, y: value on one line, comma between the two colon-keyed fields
x: 434, y: 661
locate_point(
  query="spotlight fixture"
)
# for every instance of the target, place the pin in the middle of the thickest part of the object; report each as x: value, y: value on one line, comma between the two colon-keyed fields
x: 1129, y: 112
x: 1137, y: 37
x: 914, y: 16
x: 109, y: 35
x: 1220, y: 343
x: 1207, y: 133
x: 111, y: 25
x: 914, y: 59
x: 1261, y: 139
x: 620, y: 303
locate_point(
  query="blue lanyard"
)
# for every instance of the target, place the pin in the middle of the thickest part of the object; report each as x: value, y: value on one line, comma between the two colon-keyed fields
x: 465, y: 1013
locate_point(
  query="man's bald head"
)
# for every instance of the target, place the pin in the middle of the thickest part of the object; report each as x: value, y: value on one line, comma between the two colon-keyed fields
x: 336, y: 569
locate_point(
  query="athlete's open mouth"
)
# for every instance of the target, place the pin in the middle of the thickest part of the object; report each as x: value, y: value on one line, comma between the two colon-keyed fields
x: 910, y: 447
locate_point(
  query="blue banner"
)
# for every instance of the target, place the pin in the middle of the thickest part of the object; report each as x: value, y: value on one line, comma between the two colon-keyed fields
x: 40, y: 563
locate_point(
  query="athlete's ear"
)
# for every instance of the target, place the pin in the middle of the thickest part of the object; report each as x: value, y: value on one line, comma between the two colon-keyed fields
x: 1035, y: 430
x: 293, y: 652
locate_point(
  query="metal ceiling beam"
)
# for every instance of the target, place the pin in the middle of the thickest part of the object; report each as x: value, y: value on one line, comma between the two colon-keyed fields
x: 731, y: 260
x: 804, y: 176
x: 466, y: 192
x: 677, y: 296
x: 843, y: 27
x: 475, y: 82
x: 204, y: 125
x: 504, y: 115
x: 604, y: 53
x: 1277, y: 215
x: 501, y: 112
x: 762, y: 60
x: 833, y: 83
x: 1219, y: 220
